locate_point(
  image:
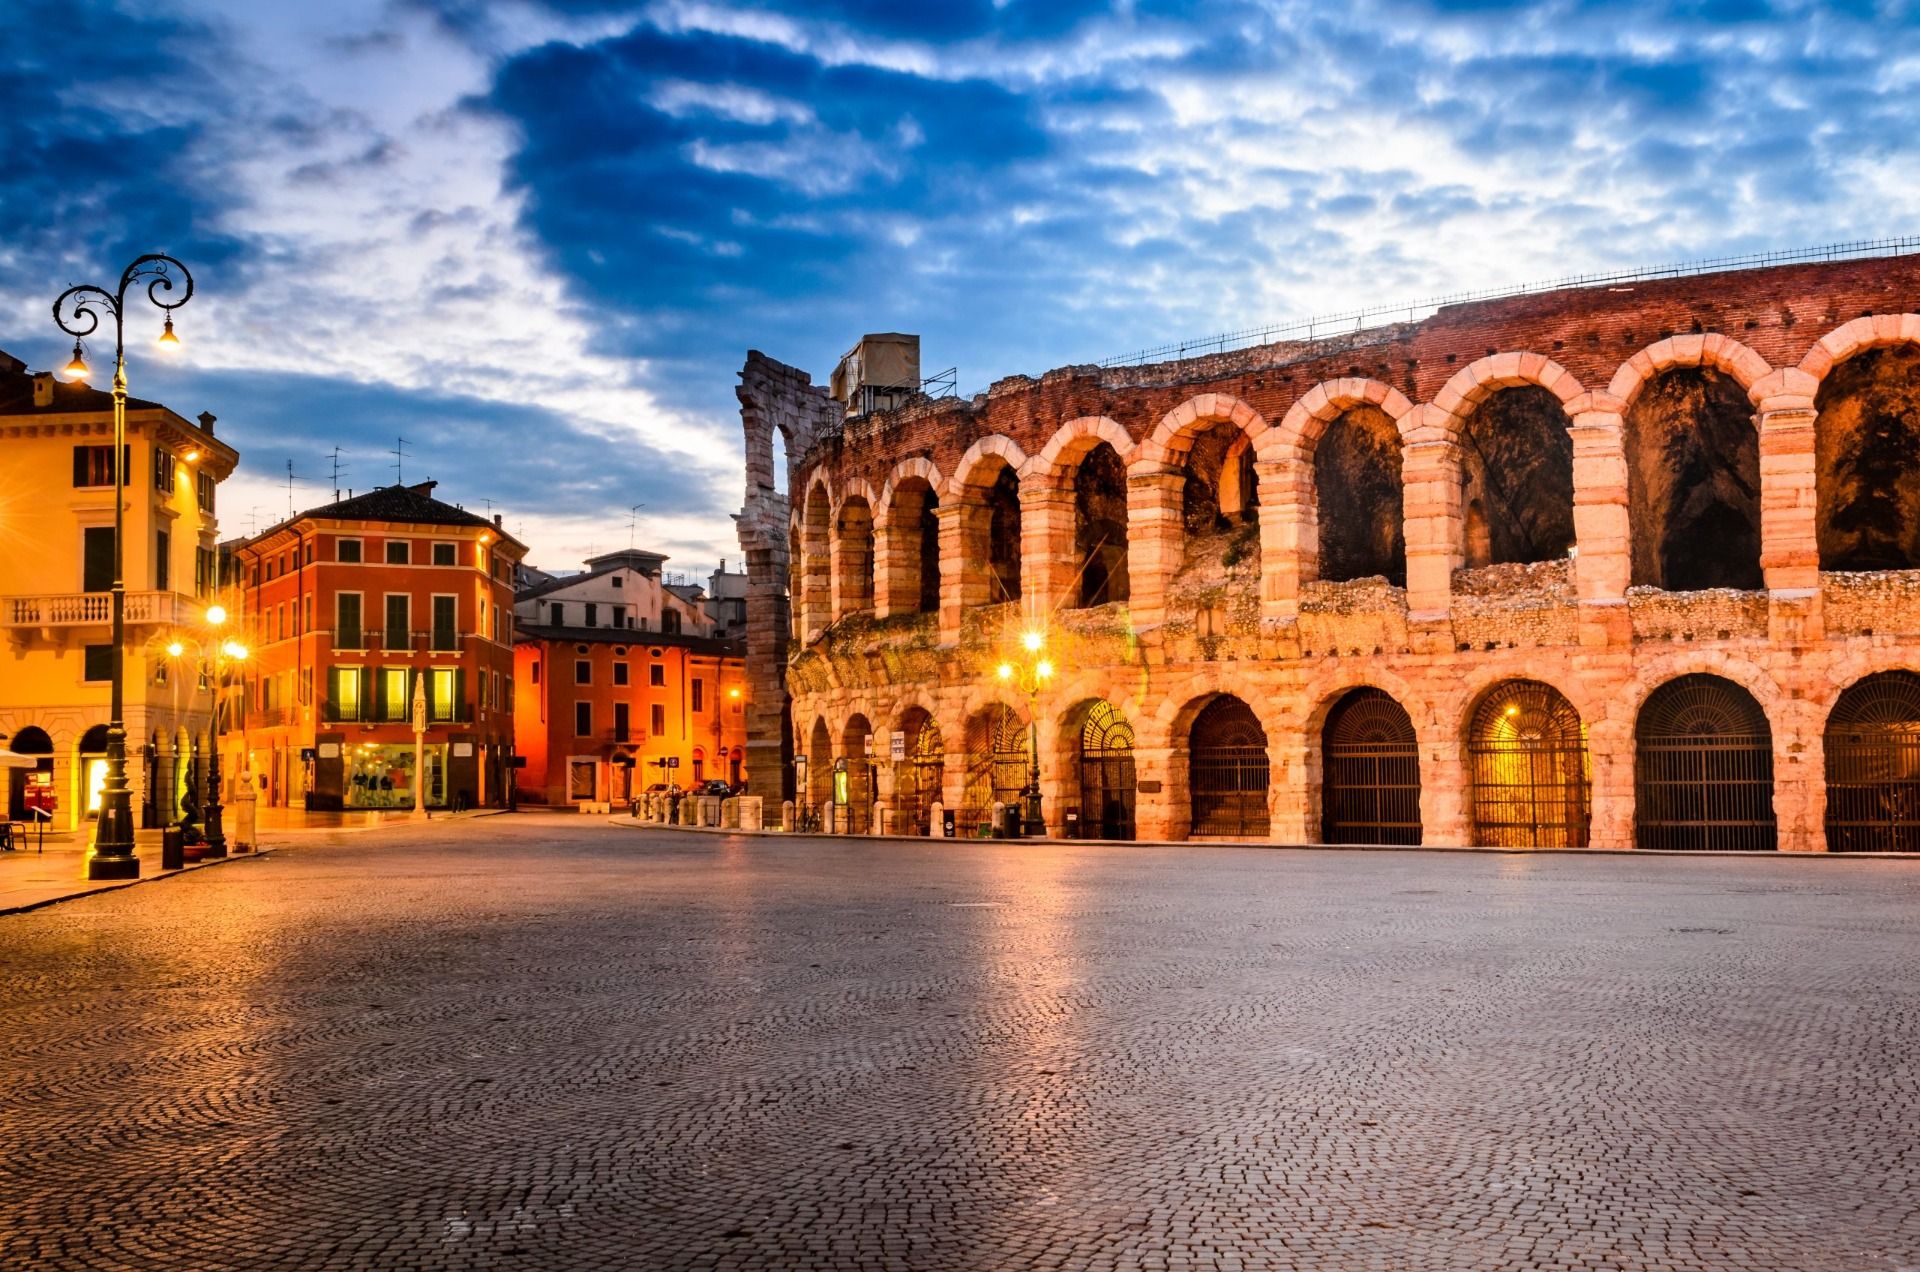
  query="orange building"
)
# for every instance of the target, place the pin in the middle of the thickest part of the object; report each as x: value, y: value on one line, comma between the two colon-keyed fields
x: 347, y: 608
x: 600, y: 709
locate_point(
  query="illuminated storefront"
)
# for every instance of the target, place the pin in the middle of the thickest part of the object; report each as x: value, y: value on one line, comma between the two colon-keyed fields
x: 381, y: 775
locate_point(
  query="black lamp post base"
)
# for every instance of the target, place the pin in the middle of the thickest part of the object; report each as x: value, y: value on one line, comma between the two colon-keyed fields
x: 113, y: 867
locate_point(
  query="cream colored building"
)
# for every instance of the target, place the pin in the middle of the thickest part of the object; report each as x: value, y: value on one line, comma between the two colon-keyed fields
x: 56, y: 569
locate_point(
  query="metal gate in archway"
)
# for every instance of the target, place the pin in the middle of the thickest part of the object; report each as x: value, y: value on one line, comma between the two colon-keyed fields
x: 996, y: 765
x: 916, y: 779
x: 1703, y: 769
x: 1106, y: 775
x: 1873, y: 766
x: 1227, y: 770
x: 1529, y: 759
x: 1370, y: 787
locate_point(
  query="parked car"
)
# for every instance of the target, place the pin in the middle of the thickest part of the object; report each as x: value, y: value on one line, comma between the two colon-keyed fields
x: 714, y: 786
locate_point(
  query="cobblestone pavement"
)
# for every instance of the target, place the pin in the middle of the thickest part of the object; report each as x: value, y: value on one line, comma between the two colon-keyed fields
x: 545, y: 1042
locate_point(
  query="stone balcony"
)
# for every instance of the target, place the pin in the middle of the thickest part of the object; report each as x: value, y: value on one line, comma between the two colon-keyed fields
x: 89, y: 609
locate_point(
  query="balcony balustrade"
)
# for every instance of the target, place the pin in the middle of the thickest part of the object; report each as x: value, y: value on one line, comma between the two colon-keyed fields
x: 90, y: 609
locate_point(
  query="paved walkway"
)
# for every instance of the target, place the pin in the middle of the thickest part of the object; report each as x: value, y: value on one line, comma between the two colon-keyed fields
x: 548, y: 1042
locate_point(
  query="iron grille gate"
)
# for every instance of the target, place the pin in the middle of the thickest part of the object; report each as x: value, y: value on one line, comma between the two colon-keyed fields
x: 1227, y: 771
x: 996, y: 766
x: 1529, y: 757
x: 1873, y: 766
x: 1703, y: 769
x: 917, y: 778
x: 1371, y: 788
x: 859, y: 789
x: 1106, y: 775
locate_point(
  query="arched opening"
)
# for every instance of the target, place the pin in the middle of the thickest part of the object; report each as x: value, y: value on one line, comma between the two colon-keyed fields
x: 30, y: 789
x: 1867, y: 453
x: 918, y: 779
x: 735, y: 759
x: 854, y: 745
x: 779, y: 449
x: 913, y: 540
x: 1106, y: 770
x: 790, y: 586
x: 1100, y: 527
x: 819, y: 765
x: 1358, y: 498
x: 1219, y: 495
x: 990, y: 534
x: 1517, y: 465
x: 853, y: 558
x: 1370, y: 772
x: 814, y: 596
x: 996, y: 764
x: 1227, y: 770
x: 1528, y: 752
x: 1693, y: 482
x: 1873, y: 766
x: 1703, y: 768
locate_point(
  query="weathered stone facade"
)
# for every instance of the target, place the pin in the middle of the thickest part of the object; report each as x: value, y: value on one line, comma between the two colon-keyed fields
x: 1564, y: 460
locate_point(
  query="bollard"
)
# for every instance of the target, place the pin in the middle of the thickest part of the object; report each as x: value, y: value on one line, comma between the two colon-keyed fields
x: 172, y: 849
x: 878, y: 826
x: 998, y: 820
x: 752, y: 815
x: 936, y: 820
x: 786, y: 815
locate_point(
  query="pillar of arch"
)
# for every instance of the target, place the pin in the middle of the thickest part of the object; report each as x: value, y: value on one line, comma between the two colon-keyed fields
x: 1430, y: 489
x: 853, y: 574
x: 983, y: 473
x: 901, y: 555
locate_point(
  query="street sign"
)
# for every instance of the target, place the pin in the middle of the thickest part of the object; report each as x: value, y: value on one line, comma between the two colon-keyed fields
x: 899, y: 741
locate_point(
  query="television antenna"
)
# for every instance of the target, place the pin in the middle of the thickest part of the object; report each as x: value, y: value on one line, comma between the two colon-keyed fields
x: 633, y: 521
x: 399, y: 453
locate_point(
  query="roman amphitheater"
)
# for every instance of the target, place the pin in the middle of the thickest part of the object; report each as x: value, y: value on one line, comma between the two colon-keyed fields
x: 1634, y: 564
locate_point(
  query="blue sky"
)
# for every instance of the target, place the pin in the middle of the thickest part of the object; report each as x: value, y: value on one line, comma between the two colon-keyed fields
x: 536, y: 239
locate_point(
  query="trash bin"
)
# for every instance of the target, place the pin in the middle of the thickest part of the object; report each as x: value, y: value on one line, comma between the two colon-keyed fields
x: 946, y: 823
x: 1012, y: 816
x: 173, y: 854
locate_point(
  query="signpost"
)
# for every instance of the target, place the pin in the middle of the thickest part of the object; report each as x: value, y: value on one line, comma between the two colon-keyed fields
x: 419, y: 747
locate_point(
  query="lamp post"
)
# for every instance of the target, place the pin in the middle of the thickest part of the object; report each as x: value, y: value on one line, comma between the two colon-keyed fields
x: 1033, y: 672
x: 77, y: 312
x: 214, y: 653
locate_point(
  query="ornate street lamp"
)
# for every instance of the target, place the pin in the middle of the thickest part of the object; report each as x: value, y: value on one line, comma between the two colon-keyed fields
x: 77, y: 313
x: 213, y: 655
x: 1033, y: 672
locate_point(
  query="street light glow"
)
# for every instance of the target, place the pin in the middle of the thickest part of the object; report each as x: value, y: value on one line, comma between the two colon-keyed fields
x: 176, y: 649
x: 77, y: 369
x: 235, y: 650
x: 168, y: 341
x: 1006, y: 671
x: 1044, y: 669
x: 1033, y: 641
x: 216, y: 614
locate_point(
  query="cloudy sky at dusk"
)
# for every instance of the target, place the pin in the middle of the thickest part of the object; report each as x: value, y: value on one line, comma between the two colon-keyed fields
x: 536, y: 239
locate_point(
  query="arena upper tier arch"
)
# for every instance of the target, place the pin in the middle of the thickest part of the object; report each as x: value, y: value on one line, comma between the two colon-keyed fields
x: 1592, y: 566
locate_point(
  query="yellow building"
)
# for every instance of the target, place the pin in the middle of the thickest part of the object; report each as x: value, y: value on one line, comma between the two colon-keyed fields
x: 56, y: 569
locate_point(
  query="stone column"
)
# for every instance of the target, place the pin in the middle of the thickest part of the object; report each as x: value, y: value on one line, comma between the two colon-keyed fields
x: 1048, y: 563
x: 1289, y: 534
x: 1430, y: 475
x: 1445, y: 788
x: 954, y: 566
x: 1789, y: 505
x: 1291, y: 818
x: 1610, y: 753
x: 1153, y: 816
x: 1156, y: 541
x: 1603, y: 565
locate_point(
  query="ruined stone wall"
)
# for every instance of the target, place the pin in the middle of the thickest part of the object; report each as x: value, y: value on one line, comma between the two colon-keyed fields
x: 1243, y: 609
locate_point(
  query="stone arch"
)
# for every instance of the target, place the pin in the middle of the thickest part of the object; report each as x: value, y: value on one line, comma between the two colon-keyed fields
x: 1870, y: 764
x: 817, y: 746
x: 909, y: 541
x: 1069, y: 444
x: 856, y: 737
x: 1703, y: 767
x: 1358, y: 476
x: 1224, y: 756
x: 1364, y: 750
x: 813, y: 600
x: 1306, y: 421
x: 1866, y: 444
x: 1692, y: 454
x: 1876, y: 331
x: 1094, y: 756
x: 919, y: 779
x: 1528, y: 766
x: 1173, y: 437
x: 1516, y: 456
x: 994, y: 740
x: 853, y: 554
x: 1713, y: 349
x: 985, y: 490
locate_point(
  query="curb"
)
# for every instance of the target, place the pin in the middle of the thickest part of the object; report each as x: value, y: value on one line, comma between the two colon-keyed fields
x: 1263, y: 846
x: 105, y: 888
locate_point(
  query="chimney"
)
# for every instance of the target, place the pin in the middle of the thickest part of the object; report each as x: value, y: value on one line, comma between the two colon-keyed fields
x: 206, y: 421
x: 496, y: 521
x: 43, y: 388
x: 423, y: 488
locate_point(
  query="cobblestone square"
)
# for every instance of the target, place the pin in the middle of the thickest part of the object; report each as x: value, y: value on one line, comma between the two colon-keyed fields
x: 552, y: 1042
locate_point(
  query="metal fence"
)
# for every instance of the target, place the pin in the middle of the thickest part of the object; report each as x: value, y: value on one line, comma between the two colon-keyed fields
x: 1227, y: 772
x: 1370, y: 788
x: 1703, y: 769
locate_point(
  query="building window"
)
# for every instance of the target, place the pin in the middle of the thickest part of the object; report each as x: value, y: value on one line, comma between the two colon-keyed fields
x: 204, y: 571
x: 618, y: 581
x: 699, y: 694
x: 398, y: 552
x: 620, y: 672
x: 399, y: 622
x: 346, y: 621
x: 582, y: 719
x: 536, y: 671
x: 443, y: 554
x: 580, y: 779
x: 343, y: 692
x: 670, y: 620
x: 347, y: 550
x: 657, y: 675
x: 93, y: 465
x: 559, y: 614
x: 206, y: 492
x: 162, y: 471
x: 659, y: 719
x: 396, y: 693
x: 593, y: 614
x: 444, y: 615
x: 444, y: 694
x: 620, y: 722
x: 582, y: 671
x: 98, y: 663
